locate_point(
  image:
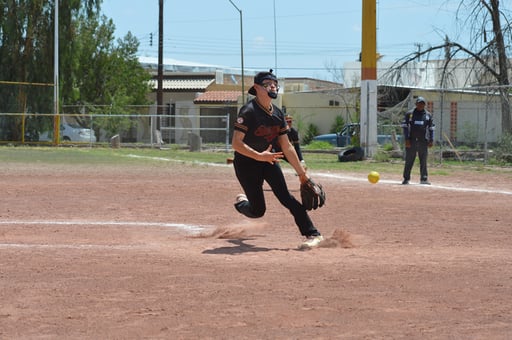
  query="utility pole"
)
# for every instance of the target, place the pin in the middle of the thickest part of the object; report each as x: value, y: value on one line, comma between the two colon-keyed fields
x: 159, y: 91
x: 368, y: 127
x: 241, y: 49
x: 56, y: 118
x: 275, y: 39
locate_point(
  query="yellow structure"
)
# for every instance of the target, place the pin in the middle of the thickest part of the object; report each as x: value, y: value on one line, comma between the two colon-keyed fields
x: 369, y: 79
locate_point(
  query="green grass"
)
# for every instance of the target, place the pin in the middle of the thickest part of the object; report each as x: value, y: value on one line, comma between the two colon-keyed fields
x: 317, y: 145
x: 83, y: 155
x: 316, y: 161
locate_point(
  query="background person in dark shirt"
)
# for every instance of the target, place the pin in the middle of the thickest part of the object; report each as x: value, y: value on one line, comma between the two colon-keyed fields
x: 293, y: 137
x: 418, y: 128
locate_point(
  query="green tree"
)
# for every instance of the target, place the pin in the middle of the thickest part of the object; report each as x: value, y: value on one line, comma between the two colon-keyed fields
x: 311, y: 131
x: 27, y: 45
x: 26, y: 53
x: 93, y: 68
x: 108, y: 76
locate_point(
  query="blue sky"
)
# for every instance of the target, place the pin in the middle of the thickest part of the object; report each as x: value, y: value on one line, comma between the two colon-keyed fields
x: 303, y: 39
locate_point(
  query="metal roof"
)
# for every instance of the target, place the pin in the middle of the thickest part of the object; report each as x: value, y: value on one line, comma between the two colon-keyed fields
x: 182, y: 84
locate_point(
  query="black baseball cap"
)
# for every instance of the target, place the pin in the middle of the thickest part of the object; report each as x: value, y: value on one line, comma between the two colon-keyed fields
x: 420, y: 100
x: 260, y: 77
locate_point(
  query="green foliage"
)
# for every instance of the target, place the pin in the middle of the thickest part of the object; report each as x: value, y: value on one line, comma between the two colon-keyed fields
x: 109, y: 76
x: 505, y: 143
x: 312, y: 131
x: 338, y: 124
x: 504, y: 149
x: 318, y: 145
x: 387, y: 147
x: 381, y: 156
x: 470, y: 133
x: 355, y: 140
x: 108, y: 73
x: 93, y: 68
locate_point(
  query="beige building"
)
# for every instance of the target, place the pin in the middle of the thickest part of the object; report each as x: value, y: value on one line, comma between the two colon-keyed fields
x: 205, y: 104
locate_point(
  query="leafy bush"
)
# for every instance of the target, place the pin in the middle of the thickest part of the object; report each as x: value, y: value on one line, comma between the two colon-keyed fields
x: 504, y: 149
x: 381, y: 156
x: 387, y: 147
x: 338, y: 124
x: 311, y: 132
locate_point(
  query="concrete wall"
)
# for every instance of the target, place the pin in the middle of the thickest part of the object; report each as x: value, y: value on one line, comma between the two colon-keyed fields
x: 320, y: 109
x: 465, y: 117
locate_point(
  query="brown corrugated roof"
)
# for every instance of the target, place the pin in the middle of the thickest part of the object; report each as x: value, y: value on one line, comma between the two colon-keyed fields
x: 218, y: 97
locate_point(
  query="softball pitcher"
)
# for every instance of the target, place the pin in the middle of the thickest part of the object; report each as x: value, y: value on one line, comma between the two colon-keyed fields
x: 260, y: 125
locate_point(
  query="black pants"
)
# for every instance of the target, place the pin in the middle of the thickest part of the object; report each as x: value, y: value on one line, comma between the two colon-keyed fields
x: 251, y: 174
x: 418, y: 146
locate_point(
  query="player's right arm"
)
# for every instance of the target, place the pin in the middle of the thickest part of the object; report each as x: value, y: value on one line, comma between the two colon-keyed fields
x: 241, y: 147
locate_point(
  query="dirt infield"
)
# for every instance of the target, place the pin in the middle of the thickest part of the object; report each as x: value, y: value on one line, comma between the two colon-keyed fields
x: 159, y: 252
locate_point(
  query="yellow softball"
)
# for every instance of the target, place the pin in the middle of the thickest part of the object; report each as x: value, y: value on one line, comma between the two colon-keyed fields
x: 373, y: 177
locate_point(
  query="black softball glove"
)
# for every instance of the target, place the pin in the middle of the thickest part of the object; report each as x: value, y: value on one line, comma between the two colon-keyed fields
x: 312, y: 195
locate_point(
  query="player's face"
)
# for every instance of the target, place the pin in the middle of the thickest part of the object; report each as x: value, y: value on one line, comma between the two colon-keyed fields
x: 270, y: 86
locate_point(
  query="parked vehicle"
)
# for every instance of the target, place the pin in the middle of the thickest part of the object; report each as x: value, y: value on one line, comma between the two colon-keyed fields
x: 349, y: 131
x: 71, y: 131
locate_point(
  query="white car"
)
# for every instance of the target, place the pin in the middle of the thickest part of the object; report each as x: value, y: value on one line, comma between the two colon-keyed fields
x: 71, y: 132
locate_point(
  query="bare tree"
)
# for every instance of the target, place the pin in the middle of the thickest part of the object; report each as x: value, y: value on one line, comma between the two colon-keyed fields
x: 334, y: 70
x: 486, y: 51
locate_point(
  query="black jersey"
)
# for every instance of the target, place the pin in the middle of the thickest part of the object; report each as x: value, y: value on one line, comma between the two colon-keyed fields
x: 261, y: 129
x: 293, y: 136
x: 418, y: 124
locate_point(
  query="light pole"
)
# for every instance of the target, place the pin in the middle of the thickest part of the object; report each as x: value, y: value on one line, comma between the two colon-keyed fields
x: 56, y: 117
x: 241, y: 50
x: 275, y: 38
x: 159, y: 90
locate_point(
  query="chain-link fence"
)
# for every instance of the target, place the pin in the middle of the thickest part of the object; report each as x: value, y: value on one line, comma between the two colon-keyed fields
x: 470, y: 123
x: 93, y: 129
x: 469, y: 119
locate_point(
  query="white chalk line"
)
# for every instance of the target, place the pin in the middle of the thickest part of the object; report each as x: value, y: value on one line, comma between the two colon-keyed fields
x: 186, y: 227
x: 192, y: 229
x: 433, y: 186
x: 363, y: 179
x: 176, y: 161
x: 69, y: 246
